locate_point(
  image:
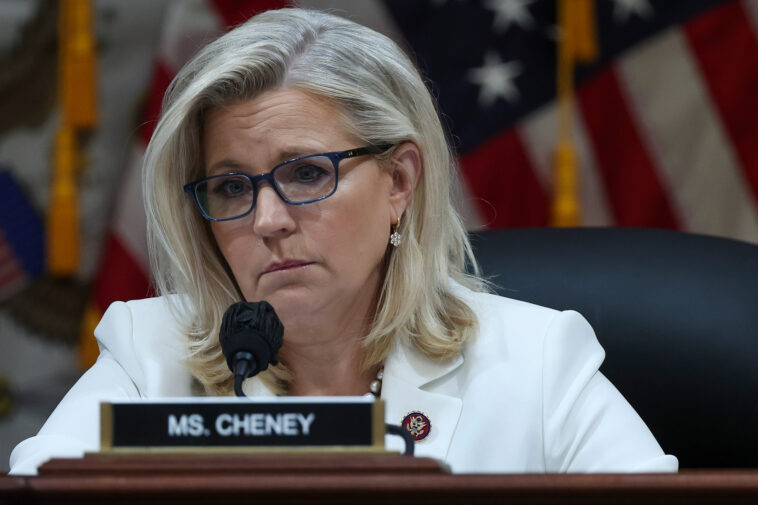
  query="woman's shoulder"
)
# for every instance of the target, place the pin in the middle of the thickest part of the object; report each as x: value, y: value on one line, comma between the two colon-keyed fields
x: 156, y: 306
x: 491, y: 308
x: 143, y: 336
x: 145, y: 318
x: 514, y: 327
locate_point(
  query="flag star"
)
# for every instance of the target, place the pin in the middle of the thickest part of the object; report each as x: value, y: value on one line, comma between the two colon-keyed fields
x: 623, y: 9
x: 508, y: 12
x: 495, y: 79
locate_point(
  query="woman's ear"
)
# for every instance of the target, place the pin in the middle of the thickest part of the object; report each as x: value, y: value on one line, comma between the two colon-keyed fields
x: 405, y: 168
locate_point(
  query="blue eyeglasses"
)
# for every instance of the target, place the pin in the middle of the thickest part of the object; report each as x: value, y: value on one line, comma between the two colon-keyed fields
x: 297, y: 182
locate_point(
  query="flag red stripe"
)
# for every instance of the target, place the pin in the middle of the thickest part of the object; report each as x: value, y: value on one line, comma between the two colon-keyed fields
x: 630, y: 176
x: 501, y: 175
x: 120, y: 277
x: 725, y: 47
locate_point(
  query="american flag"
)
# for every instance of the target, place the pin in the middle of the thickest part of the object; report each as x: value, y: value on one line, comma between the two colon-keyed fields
x: 665, y: 124
x: 666, y: 120
x: 22, y: 250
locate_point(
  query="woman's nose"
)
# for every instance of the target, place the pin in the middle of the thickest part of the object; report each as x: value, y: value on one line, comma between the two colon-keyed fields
x: 272, y: 214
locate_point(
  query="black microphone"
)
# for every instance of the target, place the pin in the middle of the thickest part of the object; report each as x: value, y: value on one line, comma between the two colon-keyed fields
x: 250, y: 336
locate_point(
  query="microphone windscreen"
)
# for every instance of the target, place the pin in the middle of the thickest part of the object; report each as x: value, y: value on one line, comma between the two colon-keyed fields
x: 251, y: 327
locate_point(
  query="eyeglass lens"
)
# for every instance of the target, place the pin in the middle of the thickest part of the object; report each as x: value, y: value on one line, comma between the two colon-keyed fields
x: 298, y: 181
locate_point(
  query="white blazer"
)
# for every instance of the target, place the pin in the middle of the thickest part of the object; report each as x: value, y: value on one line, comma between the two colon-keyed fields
x: 525, y: 395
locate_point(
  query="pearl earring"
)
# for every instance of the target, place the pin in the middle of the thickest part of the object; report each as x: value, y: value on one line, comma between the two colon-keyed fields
x: 395, y: 237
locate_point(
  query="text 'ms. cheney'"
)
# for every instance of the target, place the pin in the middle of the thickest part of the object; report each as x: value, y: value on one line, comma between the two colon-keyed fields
x: 283, y: 424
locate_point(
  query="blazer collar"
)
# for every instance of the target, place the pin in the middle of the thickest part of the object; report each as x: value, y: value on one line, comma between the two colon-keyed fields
x: 414, y: 383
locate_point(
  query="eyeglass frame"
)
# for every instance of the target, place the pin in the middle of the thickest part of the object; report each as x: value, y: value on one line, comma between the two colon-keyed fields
x: 335, y: 157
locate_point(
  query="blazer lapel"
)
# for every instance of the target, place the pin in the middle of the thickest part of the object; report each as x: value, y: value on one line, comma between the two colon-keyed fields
x: 414, y: 383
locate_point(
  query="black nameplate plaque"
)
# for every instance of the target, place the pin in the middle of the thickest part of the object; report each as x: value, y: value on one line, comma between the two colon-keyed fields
x: 170, y: 424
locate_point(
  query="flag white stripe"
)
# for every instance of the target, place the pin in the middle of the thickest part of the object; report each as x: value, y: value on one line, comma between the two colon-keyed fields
x: 540, y: 135
x: 129, y: 223
x: 126, y: 59
x: 189, y: 25
x: 686, y: 138
x: 751, y: 7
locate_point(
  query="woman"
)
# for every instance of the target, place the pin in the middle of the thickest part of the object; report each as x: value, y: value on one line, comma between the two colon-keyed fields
x: 317, y: 176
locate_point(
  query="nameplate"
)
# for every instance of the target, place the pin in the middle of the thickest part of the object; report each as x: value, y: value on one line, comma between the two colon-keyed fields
x: 294, y: 422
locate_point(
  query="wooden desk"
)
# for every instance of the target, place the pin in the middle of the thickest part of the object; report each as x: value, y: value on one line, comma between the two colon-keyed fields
x: 363, y: 479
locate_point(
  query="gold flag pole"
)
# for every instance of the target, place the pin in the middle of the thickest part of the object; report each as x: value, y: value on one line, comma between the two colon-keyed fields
x: 577, y: 43
x: 78, y: 104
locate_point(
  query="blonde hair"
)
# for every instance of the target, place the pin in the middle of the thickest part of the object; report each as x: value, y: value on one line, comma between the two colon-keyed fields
x: 383, y: 97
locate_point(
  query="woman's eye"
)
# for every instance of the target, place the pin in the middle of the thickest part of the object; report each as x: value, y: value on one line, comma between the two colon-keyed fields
x: 231, y: 188
x: 307, y: 173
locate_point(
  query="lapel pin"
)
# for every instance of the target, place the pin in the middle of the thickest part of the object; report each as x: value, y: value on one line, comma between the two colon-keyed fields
x: 418, y: 424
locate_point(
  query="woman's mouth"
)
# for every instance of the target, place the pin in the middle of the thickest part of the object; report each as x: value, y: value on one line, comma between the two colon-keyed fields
x: 288, y: 265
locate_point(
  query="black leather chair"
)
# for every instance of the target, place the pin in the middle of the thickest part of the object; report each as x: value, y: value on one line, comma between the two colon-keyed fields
x: 677, y: 314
